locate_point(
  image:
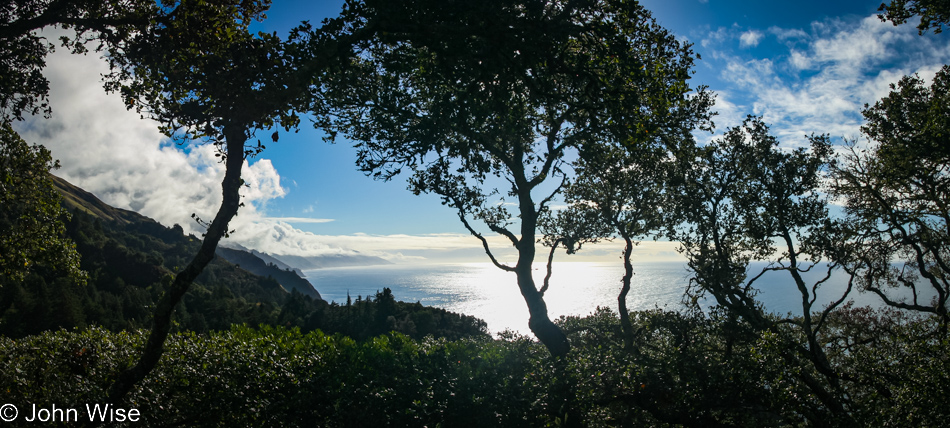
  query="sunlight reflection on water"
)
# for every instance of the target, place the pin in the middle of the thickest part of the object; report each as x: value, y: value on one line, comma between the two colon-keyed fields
x: 577, y: 288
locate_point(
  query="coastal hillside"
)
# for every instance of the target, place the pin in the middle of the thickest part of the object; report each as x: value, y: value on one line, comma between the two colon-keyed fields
x: 288, y: 278
x: 318, y: 261
x: 129, y: 261
x: 76, y: 199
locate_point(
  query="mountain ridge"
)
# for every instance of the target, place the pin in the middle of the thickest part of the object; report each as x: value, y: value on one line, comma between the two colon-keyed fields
x: 131, y: 260
x: 289, y: 279
x: 321, y: 261
x: 76, y: 198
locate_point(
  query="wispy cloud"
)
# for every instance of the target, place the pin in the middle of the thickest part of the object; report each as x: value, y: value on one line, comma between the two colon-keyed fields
x: 715, y: 37
x: 784, y: 34
x: 825, y: 76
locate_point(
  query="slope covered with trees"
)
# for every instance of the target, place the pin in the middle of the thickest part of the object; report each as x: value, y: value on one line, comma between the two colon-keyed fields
x: 287, y: 278
x: 128, y: 260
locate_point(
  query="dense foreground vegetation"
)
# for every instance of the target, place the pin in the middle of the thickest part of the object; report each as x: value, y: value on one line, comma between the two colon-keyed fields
x: 685, y: 369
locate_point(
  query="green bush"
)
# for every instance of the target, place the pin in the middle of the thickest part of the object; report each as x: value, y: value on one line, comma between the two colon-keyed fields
x: 685, y: 369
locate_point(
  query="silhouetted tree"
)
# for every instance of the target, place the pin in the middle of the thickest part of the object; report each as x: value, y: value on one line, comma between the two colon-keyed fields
x: 486, y: 102
x: 205, y: 77
x: 896, y: 194
x: 933, y: 13
x: 32, y: 233
x: 620, y: 191
x: 745, y: 199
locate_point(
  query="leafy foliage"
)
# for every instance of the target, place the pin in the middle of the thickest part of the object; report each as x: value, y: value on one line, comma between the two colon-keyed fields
x: 896, y: 361
x: 23, y: 88
x: 896, y: 194
x: 933, y: 13
x: 487, y: 101
x: 688, y: 369
x: 32, y: 237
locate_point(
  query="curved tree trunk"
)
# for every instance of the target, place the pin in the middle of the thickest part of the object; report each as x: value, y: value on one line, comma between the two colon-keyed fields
x: 622, y: 298
x: 161, y: 320
x: 539, y: 322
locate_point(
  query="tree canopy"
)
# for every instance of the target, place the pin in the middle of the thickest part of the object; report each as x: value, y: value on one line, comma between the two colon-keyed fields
x: 744, y: 200
x: 32, y: 234
x: 933, y: 13
x: 896, y: 194
x: 488, y: 101
x: 24, y: 89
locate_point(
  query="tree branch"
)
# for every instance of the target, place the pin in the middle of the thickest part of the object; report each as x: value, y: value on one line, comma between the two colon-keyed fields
x: 547, y: 276
x: 506, y: 268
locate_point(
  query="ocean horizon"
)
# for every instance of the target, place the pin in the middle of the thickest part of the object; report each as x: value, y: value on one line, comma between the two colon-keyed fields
x: 577, y: 288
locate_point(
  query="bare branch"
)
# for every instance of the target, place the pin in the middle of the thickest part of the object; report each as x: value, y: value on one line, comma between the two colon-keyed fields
x: 831, y: 307
x: 544, y: 202
x: 506, y: 268
x: 547, y: 276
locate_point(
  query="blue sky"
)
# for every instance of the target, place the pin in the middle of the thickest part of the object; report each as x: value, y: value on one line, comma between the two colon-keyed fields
x: 806, y: 67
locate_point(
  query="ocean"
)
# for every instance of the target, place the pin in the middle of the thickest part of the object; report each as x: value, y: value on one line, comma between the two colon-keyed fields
x: 577, y: 288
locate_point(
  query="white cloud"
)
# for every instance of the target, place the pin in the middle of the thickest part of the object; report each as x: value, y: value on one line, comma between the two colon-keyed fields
x: 127, y: 163
x: 824, y: 79
x: 123, y: 160
x: 301, y: 219
x: 788, y: 34
x: 715, y: 37
x: 800, y: 61
x: 750, y: 38
x: 262, y: 182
